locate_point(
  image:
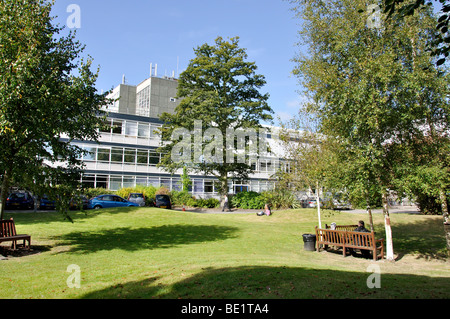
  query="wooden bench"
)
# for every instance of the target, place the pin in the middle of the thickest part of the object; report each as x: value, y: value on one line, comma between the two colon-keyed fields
x: 8, y: 233
x: 350, y: 239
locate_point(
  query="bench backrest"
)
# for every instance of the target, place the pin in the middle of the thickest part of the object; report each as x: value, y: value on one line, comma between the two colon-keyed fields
x: 7, y: 228
x: 351, y: 238
x: 343, y: 227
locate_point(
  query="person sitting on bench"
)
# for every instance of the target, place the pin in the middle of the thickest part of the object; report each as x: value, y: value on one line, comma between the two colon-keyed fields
x: 361, y: 228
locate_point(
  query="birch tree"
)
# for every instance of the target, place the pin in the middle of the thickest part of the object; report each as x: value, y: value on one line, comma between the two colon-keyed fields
x: 359, y: 72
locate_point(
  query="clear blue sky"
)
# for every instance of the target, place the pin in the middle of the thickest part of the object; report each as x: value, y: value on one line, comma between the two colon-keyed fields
x: 124, y: 37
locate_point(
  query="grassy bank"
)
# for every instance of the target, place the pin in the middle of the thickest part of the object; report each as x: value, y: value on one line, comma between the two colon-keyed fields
x: 153, y: 253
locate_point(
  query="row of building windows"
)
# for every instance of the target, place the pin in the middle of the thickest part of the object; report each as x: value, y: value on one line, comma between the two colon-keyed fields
x: 131, y: 128
x: 150, y: 157
x: 199, y: 186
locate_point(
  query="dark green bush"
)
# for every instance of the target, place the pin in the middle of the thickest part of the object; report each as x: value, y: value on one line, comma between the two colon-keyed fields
x: 248, y: 200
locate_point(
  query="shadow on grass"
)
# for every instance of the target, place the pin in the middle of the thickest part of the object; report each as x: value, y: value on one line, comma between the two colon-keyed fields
x: 32, y: 218
x: 260, y: 282
x: 424, y: 238
x: 132, y: 239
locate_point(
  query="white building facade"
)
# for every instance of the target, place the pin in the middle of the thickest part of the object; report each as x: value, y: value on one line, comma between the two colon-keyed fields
x: 126, y: 154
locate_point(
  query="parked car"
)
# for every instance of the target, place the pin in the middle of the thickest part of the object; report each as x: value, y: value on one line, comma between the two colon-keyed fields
x: 20, y: 199
x: 106, y: 201
x: 78, y: 201
x: 311, y: 202
x: 163, y: 201
x: 46, y: 203
x: 137, y: 198
x: 341, y: 204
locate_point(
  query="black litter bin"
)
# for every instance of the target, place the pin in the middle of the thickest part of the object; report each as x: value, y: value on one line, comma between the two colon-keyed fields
x: 309, y: 241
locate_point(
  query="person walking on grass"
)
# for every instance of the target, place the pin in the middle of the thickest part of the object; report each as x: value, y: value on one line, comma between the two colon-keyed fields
x: 225, y: 204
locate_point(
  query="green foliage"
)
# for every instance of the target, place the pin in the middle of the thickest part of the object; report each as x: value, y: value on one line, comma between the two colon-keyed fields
x: 207, y: 203
x: 94, y: 192
x: 47, y: 90
x: 180, y: 198
x: 219, y: 89
x: 280, y: 199
x: 248, y: 200
x: 148, y: 191
x: 276, y: 199
x: 185, y: 180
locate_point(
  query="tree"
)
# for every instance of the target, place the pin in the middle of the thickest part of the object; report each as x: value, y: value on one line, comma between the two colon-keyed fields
x: 365, y: 82
x: 307, y: 152
x: 440, y: 46
x: 213, y: 128
x: 43, y: 104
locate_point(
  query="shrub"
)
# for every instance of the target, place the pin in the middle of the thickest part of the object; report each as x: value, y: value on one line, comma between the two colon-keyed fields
x: 207, y: 203
x: 163, y: 191
x: 94, y: 192
x: 148, y: 191
x: 280, y: 199
x: 180, y: 198
x: 248, y: 200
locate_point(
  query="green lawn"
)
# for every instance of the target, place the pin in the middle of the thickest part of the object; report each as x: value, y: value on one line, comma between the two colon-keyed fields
x: 153, y: 253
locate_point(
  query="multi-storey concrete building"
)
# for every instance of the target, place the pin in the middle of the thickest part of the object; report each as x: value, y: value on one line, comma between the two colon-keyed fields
x: 126, y: 153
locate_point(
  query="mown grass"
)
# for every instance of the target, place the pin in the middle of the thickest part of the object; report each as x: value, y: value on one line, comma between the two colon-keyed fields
x: 154, y: 253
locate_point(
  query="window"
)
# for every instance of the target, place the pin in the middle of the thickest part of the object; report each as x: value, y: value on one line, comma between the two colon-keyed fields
x: 144, y: 130
x: 130, y: 156
x: 153, y: 133
x: 108, y: 198
x: 128, y: 182
x: 142, y: 157
x: 131, y: 129
x: 209, y: 186
x: 198, y: 186
x: 115, y: 182
x: 106, y: 127
x: 141, y: 181
x: 101, y: 181
x: 88, y: 180
x: 117, y: 127
x: 117, y: 154
x: 90, y: 155
x: 103, y: 154
x: 153, y: 158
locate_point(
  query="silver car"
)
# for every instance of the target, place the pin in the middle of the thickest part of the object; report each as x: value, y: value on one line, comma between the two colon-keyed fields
x: 137, y: 198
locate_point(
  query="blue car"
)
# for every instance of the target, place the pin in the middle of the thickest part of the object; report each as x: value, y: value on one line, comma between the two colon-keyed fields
x: 106, y: 201
x: 46, y: 203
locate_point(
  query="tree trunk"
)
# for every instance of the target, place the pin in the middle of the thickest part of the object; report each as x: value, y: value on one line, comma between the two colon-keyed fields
x: 4, y: 193
x: 318, y: 203
x: 444, y: 206
x: 443, y: 198
x: 387, y: 225
x: 369, y: 212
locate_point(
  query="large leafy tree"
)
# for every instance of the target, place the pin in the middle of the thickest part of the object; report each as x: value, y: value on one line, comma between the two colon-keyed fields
x: 47, y: 97
x: 372, y: 87
x: 220, y: 103
x: 310, y: 156
x: 440, y: 47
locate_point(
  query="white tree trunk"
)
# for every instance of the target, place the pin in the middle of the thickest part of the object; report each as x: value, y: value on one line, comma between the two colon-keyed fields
x: 387, y: 226
x: 318, y: 204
